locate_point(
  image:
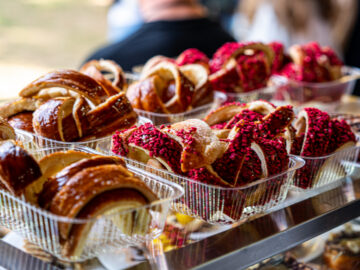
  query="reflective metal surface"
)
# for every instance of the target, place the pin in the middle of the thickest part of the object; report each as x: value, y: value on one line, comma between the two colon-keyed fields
x: 303, y: 217
x: 251, y: 242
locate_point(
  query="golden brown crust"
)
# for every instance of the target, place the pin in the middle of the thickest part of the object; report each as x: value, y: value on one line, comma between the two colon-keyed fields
x: 22, y: 121
x: 91, y: 182
x: 56, y: 182
x: 203, y: 91
x: 54, y: 119
x: 18, y: 169
x: 173, y: 89
x: 115, y: 201
x: 93, y: 69
x: 224, y: 113
x: 143, y: 95
x: 115, y: 113
x: 17, y: 106
x: 50, y: 165
x: 68, y: 79
x: 205, y: 146
x: 7, y: 132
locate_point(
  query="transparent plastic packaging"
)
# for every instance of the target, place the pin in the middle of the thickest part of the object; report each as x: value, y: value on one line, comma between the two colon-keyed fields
x: 266, y: 93
x: 118, y: 228
x: 40, y: 141
x: 320, y: 171
x: 25, y: 139
x: 325, y: 96
x: 198, y: 112
x: 222, y: 205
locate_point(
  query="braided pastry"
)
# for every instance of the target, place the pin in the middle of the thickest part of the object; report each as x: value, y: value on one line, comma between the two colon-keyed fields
x: 94, y: 68
x: 167, y: 88
x: 70, y: 106
x: 77, y: 185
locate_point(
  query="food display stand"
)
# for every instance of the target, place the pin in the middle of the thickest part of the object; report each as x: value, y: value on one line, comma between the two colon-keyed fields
x: 299, y: 218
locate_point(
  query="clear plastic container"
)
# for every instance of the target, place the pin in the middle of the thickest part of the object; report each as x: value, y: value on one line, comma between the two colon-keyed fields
x: 320, y: 171
x: 25, y: 139
x: 40, y: 141
x: 109, y: 231
x: 325, y: 96
x: 220, y: 205
x: 266, y: 93
x: 198, y: 112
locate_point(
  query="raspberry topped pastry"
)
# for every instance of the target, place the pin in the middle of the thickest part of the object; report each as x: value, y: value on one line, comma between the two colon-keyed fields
x: 312, y: 63
x: 317, y: 135
x: 241, y: 67
x: 197, y: 149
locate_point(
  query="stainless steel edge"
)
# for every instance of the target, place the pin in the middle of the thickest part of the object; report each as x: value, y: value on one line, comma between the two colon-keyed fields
x: 253, y: 241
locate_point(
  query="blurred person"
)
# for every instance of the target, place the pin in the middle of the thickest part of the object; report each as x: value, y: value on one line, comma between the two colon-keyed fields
x: 123, y: 18
x: 296, y: 21
x: 171, y: 26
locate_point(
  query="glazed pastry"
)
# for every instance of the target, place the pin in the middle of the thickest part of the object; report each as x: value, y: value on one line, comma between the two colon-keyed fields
x: 312, y: 63
x: 6, y: 130
x: 71, y: 106
x: 203, y: 90
x: 49, y: 166
x: 18, y: 169
x: 342, y: 250
x: 241, y: 67
x: 166, y: 88
x: 94, y: 68
x: 77, y: 185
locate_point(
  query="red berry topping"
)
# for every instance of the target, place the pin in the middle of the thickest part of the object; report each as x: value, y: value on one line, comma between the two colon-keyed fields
x: 192, y: 56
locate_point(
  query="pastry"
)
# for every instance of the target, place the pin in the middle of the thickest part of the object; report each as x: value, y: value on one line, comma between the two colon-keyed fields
x: 192, y: 148
x: 68, y: 105
x: 94, y: 69
x: 167, y: 88
x: 193, y: 56
x: 241, y: 67
x: 312, y: 63
x: 342, y: 250
x: 6, y: 130
x: 78, y: 185
x: 317, y: 135
x: 18, y: 169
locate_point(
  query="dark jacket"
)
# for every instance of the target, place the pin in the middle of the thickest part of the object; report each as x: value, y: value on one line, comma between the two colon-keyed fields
x: 168, y: 38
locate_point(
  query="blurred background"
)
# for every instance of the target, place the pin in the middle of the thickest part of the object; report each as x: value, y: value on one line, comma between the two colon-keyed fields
x: 37, y: 36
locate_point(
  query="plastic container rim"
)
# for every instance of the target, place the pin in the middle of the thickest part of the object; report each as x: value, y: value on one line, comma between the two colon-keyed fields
x: 177, y: 190
x: 284, y: 80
